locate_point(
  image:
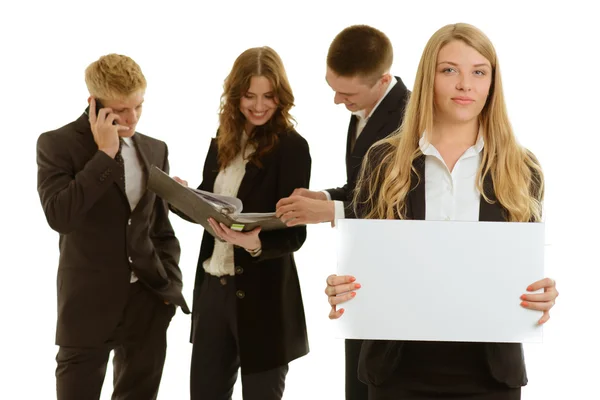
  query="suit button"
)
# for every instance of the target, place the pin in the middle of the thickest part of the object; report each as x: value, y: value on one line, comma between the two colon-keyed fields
x: 239, y: 270
x: 130, y: 260
x: 240, y: 294
x: 129, y: 221
x: 223, y: 281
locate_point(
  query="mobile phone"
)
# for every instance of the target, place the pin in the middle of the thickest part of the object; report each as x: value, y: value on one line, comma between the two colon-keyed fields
x: 99, y: 106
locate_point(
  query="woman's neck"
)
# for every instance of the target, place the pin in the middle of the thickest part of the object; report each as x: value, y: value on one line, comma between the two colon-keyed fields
x: 461, y: 134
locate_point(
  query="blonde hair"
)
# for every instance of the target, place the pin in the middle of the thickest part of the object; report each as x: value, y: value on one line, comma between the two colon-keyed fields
x: 257, y: 61
x: 114, y: 76
x: 516, y: 175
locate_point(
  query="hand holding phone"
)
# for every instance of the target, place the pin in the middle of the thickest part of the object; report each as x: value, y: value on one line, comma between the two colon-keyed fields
x: 104, y: 127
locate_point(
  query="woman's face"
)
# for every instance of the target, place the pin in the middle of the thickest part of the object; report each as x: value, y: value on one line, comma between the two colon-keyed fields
x: 259, y: 103
x: 462, y: 83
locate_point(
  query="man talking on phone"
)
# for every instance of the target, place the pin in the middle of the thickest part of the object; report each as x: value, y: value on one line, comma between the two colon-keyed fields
x: 118, y: 281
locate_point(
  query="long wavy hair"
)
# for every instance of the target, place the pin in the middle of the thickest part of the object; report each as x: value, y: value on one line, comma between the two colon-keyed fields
x: 258, y: 61
x: 516, y: 175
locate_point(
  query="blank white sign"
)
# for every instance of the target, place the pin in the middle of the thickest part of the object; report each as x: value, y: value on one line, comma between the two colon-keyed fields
x: 440, y: 280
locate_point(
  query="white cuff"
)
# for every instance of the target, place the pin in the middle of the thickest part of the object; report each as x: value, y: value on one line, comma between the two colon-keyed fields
x: 326, y: 194
x: 340, y: 213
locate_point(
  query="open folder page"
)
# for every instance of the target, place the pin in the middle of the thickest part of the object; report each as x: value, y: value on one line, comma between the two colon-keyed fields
x: 440, y: 281
x: 198, y: 205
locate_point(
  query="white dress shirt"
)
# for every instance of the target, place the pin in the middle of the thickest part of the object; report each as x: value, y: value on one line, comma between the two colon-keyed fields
x: 361, y: 122
x: 134, y: 178
x: 451, y: 196
x: 228, y: 183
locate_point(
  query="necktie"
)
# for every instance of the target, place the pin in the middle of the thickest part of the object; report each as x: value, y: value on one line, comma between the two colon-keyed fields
x: 120, y: 161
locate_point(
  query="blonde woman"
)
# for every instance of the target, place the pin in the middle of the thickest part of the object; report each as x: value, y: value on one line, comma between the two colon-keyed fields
x: 455, y: 157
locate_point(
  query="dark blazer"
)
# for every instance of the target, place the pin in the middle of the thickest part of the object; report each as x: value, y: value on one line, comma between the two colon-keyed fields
x: 379, y: 358
x: 270, y: 313
x: 101, y: 239
x: 384, y: 121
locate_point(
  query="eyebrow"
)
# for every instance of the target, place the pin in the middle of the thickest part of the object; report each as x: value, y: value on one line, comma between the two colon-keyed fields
x: 475, y: 65
x: 342, y: 93
x: 254, y: 94
x: 124, y: 108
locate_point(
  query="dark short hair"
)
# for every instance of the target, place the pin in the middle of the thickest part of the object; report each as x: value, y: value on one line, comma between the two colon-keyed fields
x: 360, y: 50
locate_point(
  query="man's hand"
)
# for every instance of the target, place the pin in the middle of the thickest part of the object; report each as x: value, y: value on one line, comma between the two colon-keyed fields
x: 181, y: 181
x: 300, y: 210
x: 106, y: 135
x: 309, y: 194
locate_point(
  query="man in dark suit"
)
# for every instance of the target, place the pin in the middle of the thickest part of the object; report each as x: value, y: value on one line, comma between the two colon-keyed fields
x: 358, y: 64
x: 118, y: 277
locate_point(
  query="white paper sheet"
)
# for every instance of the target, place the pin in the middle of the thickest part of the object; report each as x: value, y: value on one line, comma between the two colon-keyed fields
x: 440, y: 281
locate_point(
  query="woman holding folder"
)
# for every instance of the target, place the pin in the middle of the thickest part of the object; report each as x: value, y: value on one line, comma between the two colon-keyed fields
x: 248, y: 309
x: 455, y: 157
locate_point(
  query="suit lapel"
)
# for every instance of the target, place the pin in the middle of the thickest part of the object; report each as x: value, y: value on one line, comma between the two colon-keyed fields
x: 487, y: 211
x: 144, y: 151
x: 146, y: 156
x: 248, y: 180
x: 416, y: 205
x: 212, y: 171
x: 416, y: 197
x: 392, y: 103
x: 366, y: 138
x: 350, y: 143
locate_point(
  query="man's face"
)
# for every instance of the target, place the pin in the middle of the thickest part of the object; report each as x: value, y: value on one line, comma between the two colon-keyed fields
x: 129, y: 110
x: 354, y: 92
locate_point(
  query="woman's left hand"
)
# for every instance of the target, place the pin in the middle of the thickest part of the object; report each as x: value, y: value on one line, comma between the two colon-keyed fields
x: 248, y: 240
x: 541, y: 301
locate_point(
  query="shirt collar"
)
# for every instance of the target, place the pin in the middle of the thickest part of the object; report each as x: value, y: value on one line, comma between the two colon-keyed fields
x: 128, y: 141
x: 360, y: 114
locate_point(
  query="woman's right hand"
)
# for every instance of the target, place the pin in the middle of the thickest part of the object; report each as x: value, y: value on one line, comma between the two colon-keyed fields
x: 339, y: 290
x: 178, y: 179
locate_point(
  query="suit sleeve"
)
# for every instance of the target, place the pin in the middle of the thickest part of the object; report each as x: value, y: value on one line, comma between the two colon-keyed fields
x: 163, y: 236
x: 340, y: 194
x: 294, y: 172
x: 67, y: 195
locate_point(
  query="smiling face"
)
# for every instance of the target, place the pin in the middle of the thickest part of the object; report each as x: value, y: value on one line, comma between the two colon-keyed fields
x: 462, y: 83
x: 259, y: 102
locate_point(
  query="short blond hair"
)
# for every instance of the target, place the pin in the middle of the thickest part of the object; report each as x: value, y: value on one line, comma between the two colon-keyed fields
x: 114, y: 76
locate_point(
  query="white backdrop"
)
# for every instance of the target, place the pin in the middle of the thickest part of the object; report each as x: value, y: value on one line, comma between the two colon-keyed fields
x: 548, y: 54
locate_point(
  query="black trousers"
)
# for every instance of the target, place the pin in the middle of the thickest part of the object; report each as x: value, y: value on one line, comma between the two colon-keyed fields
x: 355, y: 389
x: 139, y: 344
x: 215, y: 351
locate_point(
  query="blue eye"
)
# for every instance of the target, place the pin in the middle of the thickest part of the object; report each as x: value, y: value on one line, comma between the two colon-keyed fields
x: 448, y: 70
x: 479, y: 72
